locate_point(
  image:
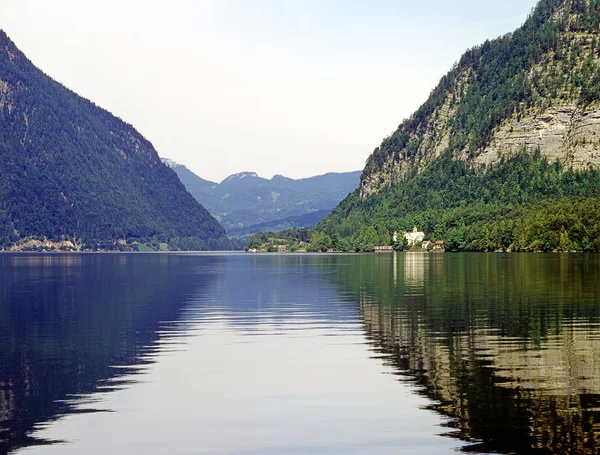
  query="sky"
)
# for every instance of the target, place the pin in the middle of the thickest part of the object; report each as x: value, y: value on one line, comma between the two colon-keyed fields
x: 291, y: 87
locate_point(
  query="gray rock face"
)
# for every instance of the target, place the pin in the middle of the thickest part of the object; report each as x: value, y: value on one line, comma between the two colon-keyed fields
x: 501, y: 99
x: 567, y: 133
x: 432, y: 143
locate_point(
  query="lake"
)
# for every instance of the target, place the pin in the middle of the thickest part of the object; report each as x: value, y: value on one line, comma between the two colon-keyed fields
x: 299, y: 354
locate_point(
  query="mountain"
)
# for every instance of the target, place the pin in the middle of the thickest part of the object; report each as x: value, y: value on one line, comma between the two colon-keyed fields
x: 72, y: 174
x: 301, y: 221
x: 246, y: 203
x: 505, y: 152
x: 191, y: 181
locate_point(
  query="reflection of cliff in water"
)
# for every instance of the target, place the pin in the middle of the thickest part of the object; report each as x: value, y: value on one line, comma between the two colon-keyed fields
x: 507, y: 345
x: 69, y: 323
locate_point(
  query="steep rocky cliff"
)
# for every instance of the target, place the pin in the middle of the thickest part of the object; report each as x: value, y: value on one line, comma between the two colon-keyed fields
x: 535, y: 89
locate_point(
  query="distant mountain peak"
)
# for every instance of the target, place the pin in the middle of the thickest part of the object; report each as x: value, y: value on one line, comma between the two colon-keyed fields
x: 240, y: 176
x: 245, y: 199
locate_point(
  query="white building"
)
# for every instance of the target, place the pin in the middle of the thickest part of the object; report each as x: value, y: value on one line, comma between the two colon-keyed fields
x: 414, y: 237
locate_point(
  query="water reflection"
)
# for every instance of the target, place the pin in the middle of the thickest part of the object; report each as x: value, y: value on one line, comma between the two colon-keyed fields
x: 506, y: 345
x: 272, y: 359
x: 67, y: 324
x: 300, y: 353
x: 414, y: 269
x: 258, y: 292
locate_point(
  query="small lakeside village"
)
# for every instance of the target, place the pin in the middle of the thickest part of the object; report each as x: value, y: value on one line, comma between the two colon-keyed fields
x: 301, y: 241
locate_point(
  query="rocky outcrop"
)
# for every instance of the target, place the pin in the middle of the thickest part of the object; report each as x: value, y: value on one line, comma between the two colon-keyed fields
x: 433, y: 138
x: 532, y: 90
x: 568, y: 134
x: 45, y: 244
x: 5, y: 97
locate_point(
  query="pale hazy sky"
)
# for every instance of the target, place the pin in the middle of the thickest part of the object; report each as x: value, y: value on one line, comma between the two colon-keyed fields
x: 288, y: 87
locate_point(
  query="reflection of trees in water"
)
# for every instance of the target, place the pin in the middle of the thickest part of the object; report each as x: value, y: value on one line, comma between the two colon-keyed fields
x: 508, y: 345
x: 67, y: 322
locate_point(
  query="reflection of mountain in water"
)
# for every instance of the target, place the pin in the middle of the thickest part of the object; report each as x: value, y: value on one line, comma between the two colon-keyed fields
x: 508, y: 345
x: 68, y: 322
x: 254, y: 290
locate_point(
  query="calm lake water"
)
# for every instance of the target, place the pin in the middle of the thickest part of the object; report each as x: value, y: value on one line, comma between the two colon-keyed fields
x: 299, y: 354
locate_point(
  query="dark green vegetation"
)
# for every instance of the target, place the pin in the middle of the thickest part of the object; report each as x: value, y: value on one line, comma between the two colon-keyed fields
x: 521, y: 203
x: 294, y: 239
x: 71, y: 171
x: 246, y: 203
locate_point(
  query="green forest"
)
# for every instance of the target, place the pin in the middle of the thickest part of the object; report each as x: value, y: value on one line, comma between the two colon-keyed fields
x: 521, y: 203
x: 524, y: 203
x: 70, y: 170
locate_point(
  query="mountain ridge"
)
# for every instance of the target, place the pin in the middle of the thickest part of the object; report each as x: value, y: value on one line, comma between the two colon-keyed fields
x: 511, y: 130
x: 245, y: 201
x: 72, y: 172
x: 500, y: 95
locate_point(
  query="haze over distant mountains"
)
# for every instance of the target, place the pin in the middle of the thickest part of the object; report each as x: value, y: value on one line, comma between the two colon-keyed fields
x: 245, y: 203
x: 73, y: 175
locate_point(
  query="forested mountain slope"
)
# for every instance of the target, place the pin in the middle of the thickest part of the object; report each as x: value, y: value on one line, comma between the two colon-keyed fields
x: 246, y: 203
x: 71, y: 171
x: 512, y: 131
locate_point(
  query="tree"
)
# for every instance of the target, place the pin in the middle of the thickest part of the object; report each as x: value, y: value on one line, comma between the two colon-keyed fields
x: 319, y: 242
